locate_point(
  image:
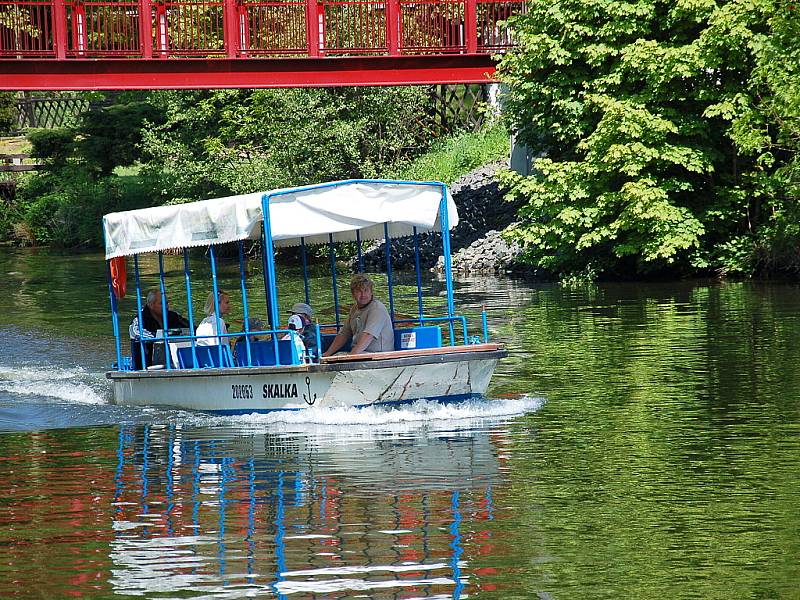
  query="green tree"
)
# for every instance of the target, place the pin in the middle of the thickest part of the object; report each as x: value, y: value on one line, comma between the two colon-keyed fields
x: 54, y: 146
x: 625, y: 102
x: 233, y: 141
x: 64, y: 206
x: 109, y: 136
x: 766, y: 129
x: 64, y: 202
x: 8, y: 112
x: 186, y: 146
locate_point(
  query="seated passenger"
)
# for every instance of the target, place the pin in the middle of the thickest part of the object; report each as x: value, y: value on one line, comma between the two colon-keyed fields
x: 146, y: 325
x: 208, y: 326
x: 309, y: 330
x: 368, y: 324
x: 296, y: 324
x: 253, y: 324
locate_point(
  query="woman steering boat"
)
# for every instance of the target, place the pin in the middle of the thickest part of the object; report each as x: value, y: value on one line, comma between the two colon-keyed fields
x: 410, y: 361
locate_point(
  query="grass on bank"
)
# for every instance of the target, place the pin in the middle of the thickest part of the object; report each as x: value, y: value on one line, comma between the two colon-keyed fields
x: 14, y: 145
x: 452, y: 157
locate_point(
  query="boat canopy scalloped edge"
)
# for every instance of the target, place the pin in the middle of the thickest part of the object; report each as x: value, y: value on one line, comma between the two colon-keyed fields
x: 313, y: 213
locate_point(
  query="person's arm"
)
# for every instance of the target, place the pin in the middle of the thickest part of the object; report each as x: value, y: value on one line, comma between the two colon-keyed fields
x: 309, y: 339
x: 133, y: 329
x: 339, y: 341
x: 364, y: 340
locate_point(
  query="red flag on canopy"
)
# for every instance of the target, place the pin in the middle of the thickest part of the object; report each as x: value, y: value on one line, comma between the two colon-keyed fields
x: 119, y: 276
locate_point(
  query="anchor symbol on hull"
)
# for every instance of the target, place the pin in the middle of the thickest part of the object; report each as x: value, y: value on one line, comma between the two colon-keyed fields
x: 309, y: 399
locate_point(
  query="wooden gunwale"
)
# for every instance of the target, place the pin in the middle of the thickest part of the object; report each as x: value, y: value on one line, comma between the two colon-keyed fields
x: 406, y: 353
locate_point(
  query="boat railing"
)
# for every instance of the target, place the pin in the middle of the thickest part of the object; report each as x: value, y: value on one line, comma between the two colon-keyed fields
x: 253, y: 349
x: 450, y: 321
x: 179, y: 342
x: 276, y: 351
x: 467, y: 339
x: 181, y: 351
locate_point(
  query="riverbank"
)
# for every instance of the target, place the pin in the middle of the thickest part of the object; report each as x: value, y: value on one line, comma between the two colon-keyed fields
x: 476, y: 242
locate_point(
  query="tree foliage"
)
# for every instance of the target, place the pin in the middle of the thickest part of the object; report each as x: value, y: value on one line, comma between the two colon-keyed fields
x: 766, y: 129
x: 64, y: 206
x: 233, y: 141
x: 54, y: 146
x: 8, y: 112
x: 109, y: 136
x: 642, y: 114
x: 187, y: 146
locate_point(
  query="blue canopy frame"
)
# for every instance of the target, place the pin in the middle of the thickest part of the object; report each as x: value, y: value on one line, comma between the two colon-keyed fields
x: 271, y: 288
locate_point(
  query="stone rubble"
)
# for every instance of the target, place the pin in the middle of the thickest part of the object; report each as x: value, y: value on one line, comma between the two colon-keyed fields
x: 477, y: 245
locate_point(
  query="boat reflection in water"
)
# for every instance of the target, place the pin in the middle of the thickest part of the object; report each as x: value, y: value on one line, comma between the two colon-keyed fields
x: 236, y: 513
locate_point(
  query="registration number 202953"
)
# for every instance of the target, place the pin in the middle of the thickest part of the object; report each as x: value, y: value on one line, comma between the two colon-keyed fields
x: 241, y: 391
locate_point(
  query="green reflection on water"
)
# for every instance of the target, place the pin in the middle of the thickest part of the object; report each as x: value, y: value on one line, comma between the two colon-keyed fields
x: 665, y: 462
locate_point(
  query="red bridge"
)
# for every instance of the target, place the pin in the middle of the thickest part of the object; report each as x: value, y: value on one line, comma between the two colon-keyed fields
x: 159, y: 44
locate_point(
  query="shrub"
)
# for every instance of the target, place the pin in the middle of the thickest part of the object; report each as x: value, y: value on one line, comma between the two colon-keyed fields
x: 52, y: 145
x: 109, y: 136
x: 8, y: 113
x: 65, y: 207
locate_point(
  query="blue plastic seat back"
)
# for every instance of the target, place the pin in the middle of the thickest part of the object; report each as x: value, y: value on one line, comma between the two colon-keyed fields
x: 207, y: 356
x: 410, y: 338
x: 262, y: 354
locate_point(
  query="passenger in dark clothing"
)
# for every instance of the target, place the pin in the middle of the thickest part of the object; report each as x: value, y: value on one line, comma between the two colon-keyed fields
x: 147, y: 324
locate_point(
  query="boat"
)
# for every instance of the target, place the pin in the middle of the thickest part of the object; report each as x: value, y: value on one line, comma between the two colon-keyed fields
x: 436, y: 356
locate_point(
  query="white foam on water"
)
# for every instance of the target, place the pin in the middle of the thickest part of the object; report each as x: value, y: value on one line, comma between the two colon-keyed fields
x: 344, y: 422
x: 62, y: 383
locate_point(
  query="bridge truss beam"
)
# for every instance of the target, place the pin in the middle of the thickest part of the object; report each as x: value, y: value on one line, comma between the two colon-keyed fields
x: 194, y: 73
x: 134, y: 44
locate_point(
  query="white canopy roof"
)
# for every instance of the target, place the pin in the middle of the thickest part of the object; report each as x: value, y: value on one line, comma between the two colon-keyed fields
x: 313, y: 212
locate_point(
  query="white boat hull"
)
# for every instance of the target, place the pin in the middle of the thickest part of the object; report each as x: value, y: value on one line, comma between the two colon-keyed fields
x: 263, y: 389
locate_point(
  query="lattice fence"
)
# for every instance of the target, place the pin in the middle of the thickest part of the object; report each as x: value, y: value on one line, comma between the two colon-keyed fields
x: 48, y: 113
x: 459, y: 107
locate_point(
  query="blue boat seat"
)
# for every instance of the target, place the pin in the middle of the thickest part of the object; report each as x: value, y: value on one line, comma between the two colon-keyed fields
x: 327, y: 338
x: 207, y: 356
x: 262, y: 354
x: 410, y: 338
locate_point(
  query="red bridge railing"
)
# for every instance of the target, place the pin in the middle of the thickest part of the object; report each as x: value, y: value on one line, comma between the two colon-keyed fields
x: 159, y: 29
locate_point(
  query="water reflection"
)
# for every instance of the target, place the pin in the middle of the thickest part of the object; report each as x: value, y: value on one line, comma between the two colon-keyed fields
x: 663, y: 464
x: 226, y: 514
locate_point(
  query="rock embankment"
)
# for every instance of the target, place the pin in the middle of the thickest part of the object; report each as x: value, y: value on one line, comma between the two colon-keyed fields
x: 476, y: 242
x: 488, y: 254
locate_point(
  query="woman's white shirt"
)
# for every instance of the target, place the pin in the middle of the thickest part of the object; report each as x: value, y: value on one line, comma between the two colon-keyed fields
x: 208, y: 326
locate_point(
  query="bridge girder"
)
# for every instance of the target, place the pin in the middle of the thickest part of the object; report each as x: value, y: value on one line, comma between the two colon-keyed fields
x: 194, y: 73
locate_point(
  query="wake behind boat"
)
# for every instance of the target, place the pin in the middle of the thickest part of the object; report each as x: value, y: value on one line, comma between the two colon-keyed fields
x: 434, y: 356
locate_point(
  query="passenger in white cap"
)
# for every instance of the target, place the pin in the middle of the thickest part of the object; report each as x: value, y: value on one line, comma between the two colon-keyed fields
x: 309, y: 330
x: 296, y: 324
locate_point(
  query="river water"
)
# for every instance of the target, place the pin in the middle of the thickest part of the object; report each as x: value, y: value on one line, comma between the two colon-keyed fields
x: 641, y: 441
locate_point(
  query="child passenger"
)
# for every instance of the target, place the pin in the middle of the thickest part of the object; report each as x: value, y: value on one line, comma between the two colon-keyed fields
x: 296, y: 324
